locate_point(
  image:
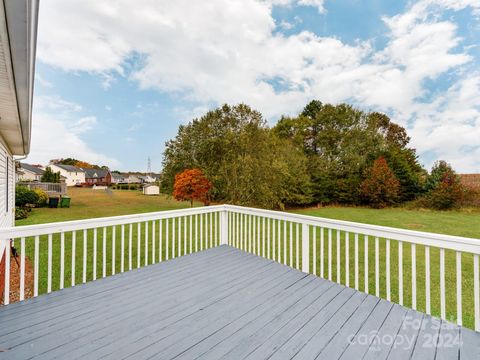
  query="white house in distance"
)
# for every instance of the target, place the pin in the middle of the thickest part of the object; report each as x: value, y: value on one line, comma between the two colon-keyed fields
x: 118, y: 178
x: 18, y: 38
x: 27, y: 172
x: 73, y: 175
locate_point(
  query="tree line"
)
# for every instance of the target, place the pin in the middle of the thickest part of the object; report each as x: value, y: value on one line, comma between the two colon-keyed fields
x: 327, y: 154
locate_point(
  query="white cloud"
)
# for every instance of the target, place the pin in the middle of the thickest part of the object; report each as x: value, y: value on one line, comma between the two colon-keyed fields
x: 40, y: 80
x: 286, y: 25
x: 52, y: 138
x: 450, y: 125
x: 315, y: 3
x: 57, y: 132
x: 239, y: 57
x: 55, y: 103
x: 83, y: 125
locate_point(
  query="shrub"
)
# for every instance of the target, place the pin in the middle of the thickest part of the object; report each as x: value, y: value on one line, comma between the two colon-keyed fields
x: 447, y: 195
x: 470, y: 197
x: 25, y: 196
x: 21, y: 213
x: 444, y: 190
x: 381, y: 187
x: 42, y: 197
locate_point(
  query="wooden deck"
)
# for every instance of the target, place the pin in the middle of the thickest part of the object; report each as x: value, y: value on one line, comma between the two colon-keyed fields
x: 223, y: 303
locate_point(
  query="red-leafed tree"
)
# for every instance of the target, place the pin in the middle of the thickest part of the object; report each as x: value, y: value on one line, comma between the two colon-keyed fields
x: 381, y: 187
x: 191, y: 185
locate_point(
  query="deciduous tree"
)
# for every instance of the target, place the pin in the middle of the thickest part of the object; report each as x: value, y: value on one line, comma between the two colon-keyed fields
x: 191, y: 185
x: 381, y: 187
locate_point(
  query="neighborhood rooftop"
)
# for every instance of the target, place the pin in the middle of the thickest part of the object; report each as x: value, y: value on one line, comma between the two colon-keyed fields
x: 95, y: 173
x: 34, y: 169
x: 69, y: 168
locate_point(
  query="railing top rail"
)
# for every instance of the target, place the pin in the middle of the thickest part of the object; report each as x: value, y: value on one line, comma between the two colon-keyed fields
x: 56, y: 227
x: 418, y: 237
x: 424, y: 238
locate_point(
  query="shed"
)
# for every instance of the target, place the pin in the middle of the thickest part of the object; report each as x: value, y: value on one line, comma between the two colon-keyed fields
x: 151, y: 190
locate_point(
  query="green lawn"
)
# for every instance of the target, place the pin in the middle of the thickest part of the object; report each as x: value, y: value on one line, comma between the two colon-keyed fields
x: 87, y: 203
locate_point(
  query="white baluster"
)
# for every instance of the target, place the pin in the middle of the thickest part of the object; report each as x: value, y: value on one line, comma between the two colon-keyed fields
x: 338, y: 257
x: 160, y: 240
x: 366, y: 263
x: 389, y: 291
x: 347, y: 260
x: 459, y: 288
x: 84, y: 268
x: 36, y: 266
x: 49, y: 265
x: 114, y: 235
x: 22, y: 268
x: 400, y: 273
x: 284, y: 243
x: 6, y: 289
x: 442, y: 284
x: 104, y: 252
x: 122, y: 246
x: 146, y: 243
x: 154, y: 242
x: 414, y: 277
x: 211, y: 231
x: 201, y: 232
x: 130, y: 238
x: 476, y: 292
x: 297, y: 240
x: 263, y: 237
x: 427, y: 280
x: 139, y: 241
x: 330, y: 254
x: 269, y: 240
x: 377, y: 268
x: 191, y: 234
x: 322, y: 252
x: 74, y: 246
x: 62, y: 259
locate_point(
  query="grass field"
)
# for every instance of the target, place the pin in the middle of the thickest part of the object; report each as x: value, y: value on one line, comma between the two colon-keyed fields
x: 87, y: 203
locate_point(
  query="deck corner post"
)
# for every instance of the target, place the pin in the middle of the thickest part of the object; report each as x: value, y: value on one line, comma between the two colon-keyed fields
x: 305, y: 248
x: 224, y: 227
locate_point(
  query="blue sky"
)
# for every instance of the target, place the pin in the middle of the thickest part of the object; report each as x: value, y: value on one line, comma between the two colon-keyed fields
x: 115, y: 79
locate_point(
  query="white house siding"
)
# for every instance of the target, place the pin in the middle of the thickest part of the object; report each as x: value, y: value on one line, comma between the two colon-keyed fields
x: 28, y: 176
x: 7, y: 191
x: 71, y: 178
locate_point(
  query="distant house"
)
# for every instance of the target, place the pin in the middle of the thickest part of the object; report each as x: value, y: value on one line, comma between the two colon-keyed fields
x: 133, y: 179
x: 149, y: 189
x: 470, y: 180
x: 27, y: 172
x: 73, y: 175
x: 147, y: 179
x: 98, y: 177
x: 118, y: 178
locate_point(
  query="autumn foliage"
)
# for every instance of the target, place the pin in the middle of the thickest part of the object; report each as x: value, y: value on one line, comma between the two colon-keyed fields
x: 381, y: 187
x: 191, y: 185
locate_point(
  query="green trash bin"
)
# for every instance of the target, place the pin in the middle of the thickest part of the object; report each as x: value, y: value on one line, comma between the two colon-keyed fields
x: 65, y: 202
x: 53, y: 202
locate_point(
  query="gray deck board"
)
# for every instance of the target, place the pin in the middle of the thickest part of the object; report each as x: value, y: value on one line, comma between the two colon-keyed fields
x: 223, y: 303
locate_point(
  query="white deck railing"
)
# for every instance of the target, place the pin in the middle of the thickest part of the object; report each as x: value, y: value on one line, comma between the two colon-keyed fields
x: 434, y: 273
